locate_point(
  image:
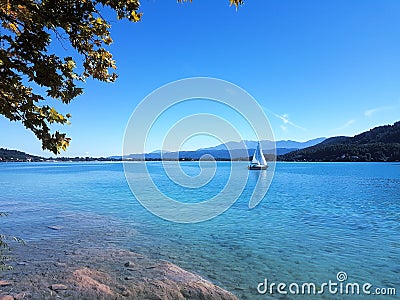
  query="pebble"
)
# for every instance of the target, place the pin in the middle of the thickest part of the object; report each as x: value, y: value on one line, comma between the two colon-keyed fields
x: 151, y: 267
x: 20, y: 296
x: 129, y: 278
x: 129, y: 264
x: 6, y: 297
x: 58, y: 287
x: 5, y: 283
x: 60, y: 264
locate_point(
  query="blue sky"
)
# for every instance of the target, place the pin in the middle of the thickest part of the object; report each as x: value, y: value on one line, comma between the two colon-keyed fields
x: 318, y: 68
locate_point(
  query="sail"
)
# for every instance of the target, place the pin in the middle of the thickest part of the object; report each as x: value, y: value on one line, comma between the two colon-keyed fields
x: 255, y: 160
x: 258, y: 157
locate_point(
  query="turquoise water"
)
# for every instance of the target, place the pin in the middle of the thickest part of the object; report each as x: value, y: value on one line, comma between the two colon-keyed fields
x: 316, y: 220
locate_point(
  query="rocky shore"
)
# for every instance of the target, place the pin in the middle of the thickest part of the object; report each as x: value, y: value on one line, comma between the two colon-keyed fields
x: 98, y: 273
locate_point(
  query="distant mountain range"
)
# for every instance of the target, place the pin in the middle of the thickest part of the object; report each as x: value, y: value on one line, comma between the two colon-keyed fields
x: 378, y: 144
x: 232, y: 150
x: 285, y: 144
x: 238, y: 150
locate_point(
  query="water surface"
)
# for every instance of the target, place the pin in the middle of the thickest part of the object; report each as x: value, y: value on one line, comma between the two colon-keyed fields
x: 316, y: 220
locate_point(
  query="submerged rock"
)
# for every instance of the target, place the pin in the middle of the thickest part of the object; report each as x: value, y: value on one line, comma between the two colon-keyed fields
x: 20, y: 296
x: 129, y: 278
x: 57, y: 227
x: 60, y: 264
x: 98, y: 274
x: 58, y: 287
x: 5, y: 283
x: 129, y: 264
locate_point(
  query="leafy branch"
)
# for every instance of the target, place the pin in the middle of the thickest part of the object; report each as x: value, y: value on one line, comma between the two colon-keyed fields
x: 30, y: 75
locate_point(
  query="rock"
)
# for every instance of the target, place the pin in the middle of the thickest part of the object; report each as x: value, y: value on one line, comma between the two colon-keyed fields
x: 129, y: 264
x: 5, y: 283
x: 130, y: 278
x: 60, y: 264
x: 58, y: 287
x: 107, y: 278
x: 20, y: 296
x: 86, y: 279
x: 55, y: 227
x: 21, y: 263
x: 6, y: 297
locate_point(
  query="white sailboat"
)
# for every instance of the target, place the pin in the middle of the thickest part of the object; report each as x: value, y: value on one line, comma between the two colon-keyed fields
x: 258, y: 162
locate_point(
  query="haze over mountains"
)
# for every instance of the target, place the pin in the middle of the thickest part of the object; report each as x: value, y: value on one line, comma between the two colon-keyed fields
x: 230, y: 150
x: 286, y: 144
x: 378, y: 144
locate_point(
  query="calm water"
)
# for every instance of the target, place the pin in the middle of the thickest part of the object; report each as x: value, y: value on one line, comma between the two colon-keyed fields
x: 316, y: 220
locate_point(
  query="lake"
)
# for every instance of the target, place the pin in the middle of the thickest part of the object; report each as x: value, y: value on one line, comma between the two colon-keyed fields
x: 317, y: 219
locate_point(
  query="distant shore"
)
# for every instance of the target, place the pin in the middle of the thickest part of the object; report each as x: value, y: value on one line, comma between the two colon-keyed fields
x: 103, y: 159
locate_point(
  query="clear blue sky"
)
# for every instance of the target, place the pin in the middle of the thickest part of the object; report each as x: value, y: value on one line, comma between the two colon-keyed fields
x: 318, y: 68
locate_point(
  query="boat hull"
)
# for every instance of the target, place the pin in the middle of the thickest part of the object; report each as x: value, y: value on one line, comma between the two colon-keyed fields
x: 257, y: 167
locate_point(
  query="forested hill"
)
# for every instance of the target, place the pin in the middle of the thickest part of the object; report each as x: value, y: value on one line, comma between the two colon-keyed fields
x: 15, y: 155
x: 378, y: 144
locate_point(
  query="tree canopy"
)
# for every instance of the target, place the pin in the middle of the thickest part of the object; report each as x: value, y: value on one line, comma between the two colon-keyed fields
x: 30, y: 75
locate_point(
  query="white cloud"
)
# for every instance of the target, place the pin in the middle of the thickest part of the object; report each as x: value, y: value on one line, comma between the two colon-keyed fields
x: 285, y: 120
x: 372, y: 111
x: 347, y: 124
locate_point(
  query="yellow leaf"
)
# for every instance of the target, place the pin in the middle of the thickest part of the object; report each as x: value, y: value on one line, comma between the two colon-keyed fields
x: 136, y: 16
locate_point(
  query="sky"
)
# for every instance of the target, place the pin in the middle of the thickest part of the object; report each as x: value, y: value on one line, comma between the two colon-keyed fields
x: 317, y: 69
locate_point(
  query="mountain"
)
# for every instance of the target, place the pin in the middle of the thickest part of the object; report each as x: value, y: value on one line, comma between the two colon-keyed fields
x: 265, y: 144
x: 7, y: 155
x: 378, y: 144
x: 237, y: 151
x: 299, y: 145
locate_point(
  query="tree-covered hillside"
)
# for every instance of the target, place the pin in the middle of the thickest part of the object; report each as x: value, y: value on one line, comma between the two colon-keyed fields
x: 15, y: 155
x: 378, y: 144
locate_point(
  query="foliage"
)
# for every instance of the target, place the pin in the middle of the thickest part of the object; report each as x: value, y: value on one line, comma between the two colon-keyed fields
x: 231, y: 2
x: 5, y: 247
x: 30, y: 74
x: 25, y: 61
x: 378, y: 144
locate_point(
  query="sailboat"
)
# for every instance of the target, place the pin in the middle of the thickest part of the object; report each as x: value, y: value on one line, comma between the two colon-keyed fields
x: 258, y: 162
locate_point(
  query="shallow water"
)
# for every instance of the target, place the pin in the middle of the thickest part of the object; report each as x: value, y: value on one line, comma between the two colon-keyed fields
x: 316, y: 220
